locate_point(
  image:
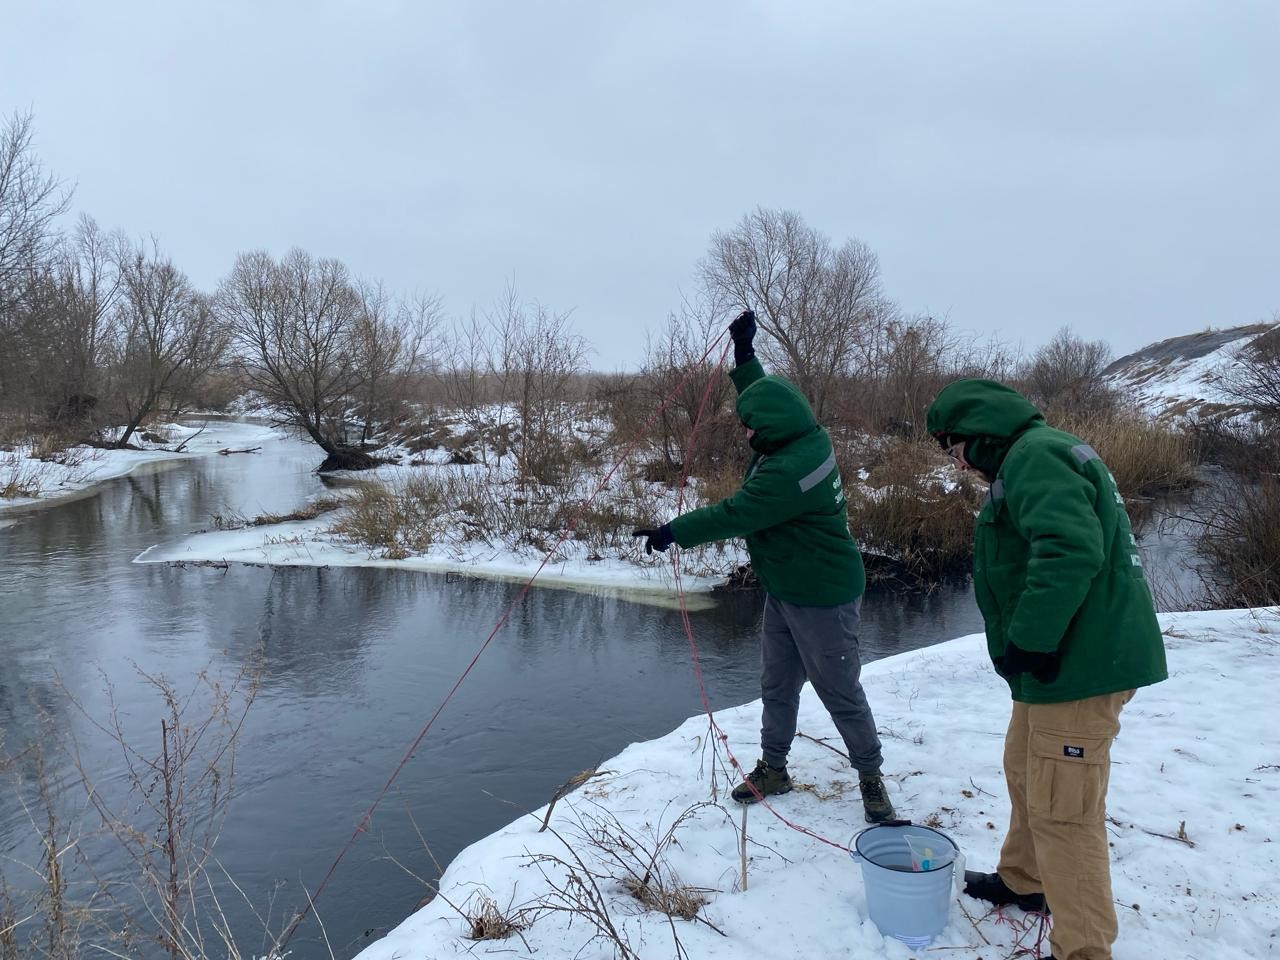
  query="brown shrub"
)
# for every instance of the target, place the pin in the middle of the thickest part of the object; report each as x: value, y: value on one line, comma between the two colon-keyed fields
x: 400, y: 521
x: 1241, y: 539
x: 914, y: 512
x: 1148, y: 459
x: 719, y: 484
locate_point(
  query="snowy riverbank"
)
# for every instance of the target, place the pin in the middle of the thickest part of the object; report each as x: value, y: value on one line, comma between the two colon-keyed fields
x: 77, y: 471
x: 1194, y: 792
x: 611, y: 562
x: 308, y: 543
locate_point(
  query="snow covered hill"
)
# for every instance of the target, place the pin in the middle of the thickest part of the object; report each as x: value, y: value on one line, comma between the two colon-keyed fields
x: 1182, y: 375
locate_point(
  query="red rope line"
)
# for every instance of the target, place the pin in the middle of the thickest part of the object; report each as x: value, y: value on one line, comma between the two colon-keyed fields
x: 408, y: 754
x: 693, y: 646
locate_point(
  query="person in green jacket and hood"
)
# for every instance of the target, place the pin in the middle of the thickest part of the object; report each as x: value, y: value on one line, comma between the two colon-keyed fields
x: 1071, y: 627
x: 792, y: 513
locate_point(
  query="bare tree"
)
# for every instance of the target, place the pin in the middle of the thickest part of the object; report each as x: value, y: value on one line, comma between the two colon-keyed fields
x: 392, y: 341
x: 82, y: 297
x: 676, y: 357
x: 167, y: 335
x: 30, y: 200
x: 1067, y: 374
x: 912, y: 368
x: 1253, y: 378
x: 821, y: 306
x: 536, y: 357
x: 327, y: 351
x: 464, y: 374
x: 294, y: 324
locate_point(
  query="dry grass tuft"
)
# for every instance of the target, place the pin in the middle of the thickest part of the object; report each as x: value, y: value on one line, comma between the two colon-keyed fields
x: 1147, y: 458
x: 308, y: 511
x: 20, y: 476
x: 677, y: 900
x: 486, y: 921
x: 400, y: 520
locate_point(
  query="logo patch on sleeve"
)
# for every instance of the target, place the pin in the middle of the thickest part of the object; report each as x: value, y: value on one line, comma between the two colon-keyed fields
x: 1070, y: 751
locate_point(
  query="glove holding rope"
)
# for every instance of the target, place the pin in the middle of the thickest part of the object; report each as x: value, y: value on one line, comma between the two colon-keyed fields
x: 657, y: 539
x: 743, y: 332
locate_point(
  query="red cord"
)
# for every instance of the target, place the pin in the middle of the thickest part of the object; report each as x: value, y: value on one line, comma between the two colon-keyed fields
x: 684, y: 614
x: 408, y: 754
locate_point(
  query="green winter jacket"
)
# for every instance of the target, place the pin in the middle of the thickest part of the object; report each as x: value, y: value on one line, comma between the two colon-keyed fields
x: 1055, y: 563
x: 791, y: 507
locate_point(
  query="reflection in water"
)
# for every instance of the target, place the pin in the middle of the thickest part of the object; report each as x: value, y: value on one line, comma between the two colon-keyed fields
x: 354, y: 662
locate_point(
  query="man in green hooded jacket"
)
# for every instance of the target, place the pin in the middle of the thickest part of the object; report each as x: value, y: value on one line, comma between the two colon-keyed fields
x: 1071, y: 627
x: 791, y: 511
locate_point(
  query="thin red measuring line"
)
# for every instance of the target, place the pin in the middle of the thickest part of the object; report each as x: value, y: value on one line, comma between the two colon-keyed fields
x: 368, y: 815
x: 688, y: 626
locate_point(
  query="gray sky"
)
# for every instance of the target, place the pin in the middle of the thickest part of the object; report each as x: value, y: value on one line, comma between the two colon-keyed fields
x: 1017, y: 166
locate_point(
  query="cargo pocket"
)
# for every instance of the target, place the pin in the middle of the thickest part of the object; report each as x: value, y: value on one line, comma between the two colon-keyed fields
x: 1067, y: 776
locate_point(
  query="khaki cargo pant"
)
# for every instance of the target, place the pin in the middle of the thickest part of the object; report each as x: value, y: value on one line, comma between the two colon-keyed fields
x: 1057, y: 761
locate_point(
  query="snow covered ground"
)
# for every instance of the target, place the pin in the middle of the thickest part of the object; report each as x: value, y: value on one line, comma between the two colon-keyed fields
x: 1193, y: 805
x: 308, y: 543
x: 77, y: 471
x: 1183, y: 374
x: 510, y: 549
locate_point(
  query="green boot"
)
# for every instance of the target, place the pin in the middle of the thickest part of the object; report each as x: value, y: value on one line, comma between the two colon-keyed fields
x: 875, y: 798
x: 763, y: 781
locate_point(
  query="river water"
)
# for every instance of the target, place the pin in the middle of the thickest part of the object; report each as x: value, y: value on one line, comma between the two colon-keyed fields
x: 353, y: 663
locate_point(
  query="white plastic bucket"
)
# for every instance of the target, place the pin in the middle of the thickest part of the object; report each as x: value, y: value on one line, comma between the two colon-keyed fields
x: 907, y: 898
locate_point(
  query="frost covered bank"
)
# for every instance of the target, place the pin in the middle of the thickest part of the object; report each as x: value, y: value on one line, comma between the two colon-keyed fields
x: 1192, y: 812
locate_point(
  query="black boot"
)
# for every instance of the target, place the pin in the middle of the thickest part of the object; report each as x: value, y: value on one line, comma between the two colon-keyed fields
x: 876, y: 805
x: 989, y: 887
x: 763, y: 781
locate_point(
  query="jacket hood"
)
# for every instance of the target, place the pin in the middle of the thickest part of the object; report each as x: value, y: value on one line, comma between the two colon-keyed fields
x: 981, y: 408
x: 777, y: 411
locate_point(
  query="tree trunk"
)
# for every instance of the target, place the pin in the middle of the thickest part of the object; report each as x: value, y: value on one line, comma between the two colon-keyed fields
x: 338, y: 456
x: 123, y: 442
x: 347, y: 458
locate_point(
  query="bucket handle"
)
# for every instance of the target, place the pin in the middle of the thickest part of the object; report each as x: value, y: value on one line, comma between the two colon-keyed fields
x: 853, y: 841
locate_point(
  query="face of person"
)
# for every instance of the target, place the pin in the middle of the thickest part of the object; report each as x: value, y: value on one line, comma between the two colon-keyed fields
x: 956, y: 453
x: 958, y: 460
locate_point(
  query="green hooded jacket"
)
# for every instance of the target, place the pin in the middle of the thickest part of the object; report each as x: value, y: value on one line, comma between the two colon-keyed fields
x: 1055, y: 563
x: 791, y: 506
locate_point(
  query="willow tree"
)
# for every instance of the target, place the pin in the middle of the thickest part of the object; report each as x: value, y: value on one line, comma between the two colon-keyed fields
x: 320, y: 347
x: 821, y: 306
x: 166, y: 338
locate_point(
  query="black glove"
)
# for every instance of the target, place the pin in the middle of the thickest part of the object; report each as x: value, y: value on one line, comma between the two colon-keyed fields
x: 1043, y: 666
x: 743, y: 332
x: 658, y: 539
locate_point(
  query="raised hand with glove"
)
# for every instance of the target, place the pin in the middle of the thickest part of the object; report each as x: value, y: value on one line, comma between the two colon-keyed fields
x: 743, y: 332
x: 656, y: 539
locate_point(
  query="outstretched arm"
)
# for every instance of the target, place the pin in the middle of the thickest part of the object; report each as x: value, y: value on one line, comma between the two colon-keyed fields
x: 747, y: 369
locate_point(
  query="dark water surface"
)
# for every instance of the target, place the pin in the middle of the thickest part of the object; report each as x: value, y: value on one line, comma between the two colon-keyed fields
x: 354, y: 663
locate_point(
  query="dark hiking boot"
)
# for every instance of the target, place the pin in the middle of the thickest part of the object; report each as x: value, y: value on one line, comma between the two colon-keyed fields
x: 989, y: 887
x: 763, y: 781
x: 876, y: 807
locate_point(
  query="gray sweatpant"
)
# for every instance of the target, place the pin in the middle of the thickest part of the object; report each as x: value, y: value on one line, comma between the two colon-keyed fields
x: 820, y: 643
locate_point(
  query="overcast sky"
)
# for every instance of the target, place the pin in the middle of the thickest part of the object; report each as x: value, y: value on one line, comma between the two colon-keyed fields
x: 1018, y: 166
